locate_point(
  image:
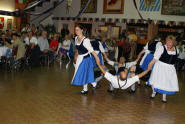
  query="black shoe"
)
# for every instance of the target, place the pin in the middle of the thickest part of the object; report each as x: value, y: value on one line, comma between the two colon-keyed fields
x: 110, y: 91
x: 164, y: 101
x: 84, y: 92
x: 131, y: 91
x: 152, y: 97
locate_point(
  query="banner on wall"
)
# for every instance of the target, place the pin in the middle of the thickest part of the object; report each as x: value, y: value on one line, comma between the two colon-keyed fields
x: 150, y: 5
x: 1, y: 22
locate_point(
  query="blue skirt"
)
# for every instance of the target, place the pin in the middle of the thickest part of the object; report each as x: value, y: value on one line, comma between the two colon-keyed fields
x: 147, y: 61
x: 164, y: 91
x: 85, y: 73
x: 94, y: 61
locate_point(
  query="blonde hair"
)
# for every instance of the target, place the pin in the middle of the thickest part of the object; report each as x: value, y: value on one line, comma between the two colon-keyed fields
x: 172, y: 38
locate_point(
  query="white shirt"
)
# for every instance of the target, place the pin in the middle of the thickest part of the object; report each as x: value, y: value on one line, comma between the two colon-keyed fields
x: 114, y: 81
x: 32, y: 40
x: 66, y: 43
x: 159, y: 51
x: 43, y: 43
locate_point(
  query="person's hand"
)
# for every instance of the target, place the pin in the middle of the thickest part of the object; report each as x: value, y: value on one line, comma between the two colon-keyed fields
x: 45, y: 51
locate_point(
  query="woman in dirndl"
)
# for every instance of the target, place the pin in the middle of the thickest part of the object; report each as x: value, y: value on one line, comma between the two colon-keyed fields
x: 149, y: 51
x: 84, y: 73
x: 163, y: 77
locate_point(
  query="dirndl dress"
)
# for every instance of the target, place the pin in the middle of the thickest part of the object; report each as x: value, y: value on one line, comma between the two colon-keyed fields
x: 84, y: 72
x: 164, y: 77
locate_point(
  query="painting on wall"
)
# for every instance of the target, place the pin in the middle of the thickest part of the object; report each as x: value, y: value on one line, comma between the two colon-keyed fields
x: 91, y: 8
x: 1, y: 22
x: 113, y: 6
x: 115, y: 31
x: 173, y: 7
x: 9, y: 23
x: 103, y: 30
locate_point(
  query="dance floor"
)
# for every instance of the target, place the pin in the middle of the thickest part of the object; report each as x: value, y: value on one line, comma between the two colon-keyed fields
x: 45, y: 96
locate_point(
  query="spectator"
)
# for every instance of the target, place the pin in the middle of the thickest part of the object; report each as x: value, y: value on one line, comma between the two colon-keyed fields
x: 17, y: 43
x: 33, y: 29
x: 126, y: 48
x: 132, y: 38
x: 35, y: 52
x: 64, y: 31
x: 3, y: 39
x: 54, y: 43
x: 44, y: 46
x: 65, y: 46
x: 43, y: 42
x: 23, y: 37
x: 26, y: 28
x: 120, y: 48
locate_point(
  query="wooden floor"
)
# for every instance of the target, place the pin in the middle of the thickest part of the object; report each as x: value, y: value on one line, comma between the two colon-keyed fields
x: 45, y: 96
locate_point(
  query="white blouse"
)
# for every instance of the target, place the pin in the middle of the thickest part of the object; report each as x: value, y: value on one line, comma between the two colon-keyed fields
x: 159, y: 51
x: 114, y: 81
x: 86, y: 44
x: 66, y: 43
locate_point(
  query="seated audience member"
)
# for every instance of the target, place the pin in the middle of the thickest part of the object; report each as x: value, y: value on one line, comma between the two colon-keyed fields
x: 17, y: 43
x: 35, y: 53
x: 23, y: 37
x: 27, y: 28
x: 44, y: 46
x: 54, y: 43
x: 65, y: 46
x: 3, y: 39
x: 43, y: 42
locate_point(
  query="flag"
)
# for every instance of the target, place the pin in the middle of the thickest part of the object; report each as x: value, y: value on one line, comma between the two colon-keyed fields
x: 150, y: 5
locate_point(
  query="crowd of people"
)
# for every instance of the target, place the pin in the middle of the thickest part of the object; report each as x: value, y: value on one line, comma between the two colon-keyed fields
x: 38, y: 46
x: 159, y: 58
